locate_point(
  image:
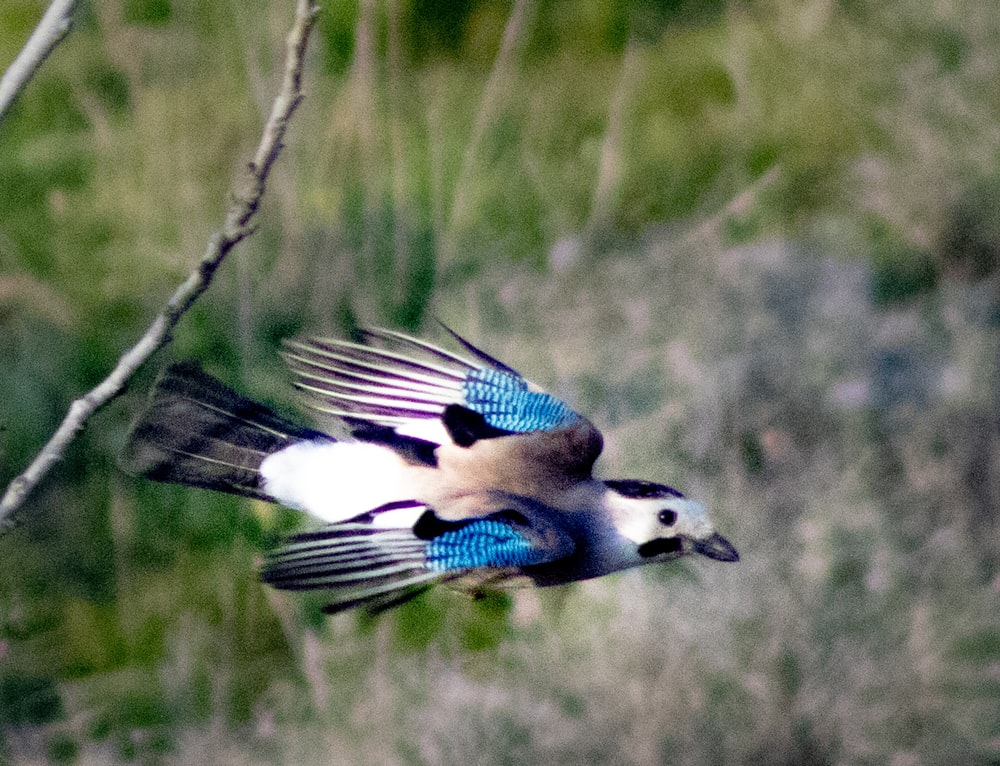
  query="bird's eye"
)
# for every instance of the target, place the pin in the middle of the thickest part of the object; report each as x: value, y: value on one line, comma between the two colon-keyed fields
x: 668, y: 517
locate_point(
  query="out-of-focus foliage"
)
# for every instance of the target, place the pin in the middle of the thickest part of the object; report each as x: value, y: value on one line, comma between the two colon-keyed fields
x: 757, y: 241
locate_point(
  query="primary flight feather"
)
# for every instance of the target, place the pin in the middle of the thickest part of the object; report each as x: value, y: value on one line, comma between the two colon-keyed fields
x: 456, y: 469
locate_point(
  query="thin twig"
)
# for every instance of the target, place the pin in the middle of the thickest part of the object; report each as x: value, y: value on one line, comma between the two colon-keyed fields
x: 712, y: 227
x: 245, y: 199
x: 611, y: 165
x: 489, y: 104
x: 51, y: 30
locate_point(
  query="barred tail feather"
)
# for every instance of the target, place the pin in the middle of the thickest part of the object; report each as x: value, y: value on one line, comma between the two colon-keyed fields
x: 199, y: 432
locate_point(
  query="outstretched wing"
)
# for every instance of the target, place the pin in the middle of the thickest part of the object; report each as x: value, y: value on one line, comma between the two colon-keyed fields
x: 420, y: 389
x: 391, y: 554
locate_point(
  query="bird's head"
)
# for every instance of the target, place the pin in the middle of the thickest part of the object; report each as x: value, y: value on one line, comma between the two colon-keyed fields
x: 663, y: 523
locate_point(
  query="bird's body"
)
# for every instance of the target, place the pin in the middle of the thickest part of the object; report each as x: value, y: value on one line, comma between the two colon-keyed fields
x: 454, y: 469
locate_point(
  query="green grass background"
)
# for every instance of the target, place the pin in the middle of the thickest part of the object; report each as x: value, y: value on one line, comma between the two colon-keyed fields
x: 756, y: 241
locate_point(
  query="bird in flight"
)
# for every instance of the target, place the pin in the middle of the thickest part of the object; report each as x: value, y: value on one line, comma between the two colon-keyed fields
x: 450, y: 468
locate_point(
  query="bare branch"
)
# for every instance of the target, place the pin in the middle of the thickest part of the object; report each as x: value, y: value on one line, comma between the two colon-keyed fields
x: 245, y: 199
x: 51, y: 30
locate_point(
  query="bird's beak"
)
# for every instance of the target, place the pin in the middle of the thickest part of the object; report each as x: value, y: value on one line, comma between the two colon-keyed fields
x: 716, y: 547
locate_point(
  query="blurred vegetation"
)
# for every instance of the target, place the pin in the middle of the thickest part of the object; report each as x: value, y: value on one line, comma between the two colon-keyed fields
x: 756, y: 240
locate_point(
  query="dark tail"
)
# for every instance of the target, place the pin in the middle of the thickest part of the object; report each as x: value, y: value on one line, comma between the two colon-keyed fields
x: 198, y: 431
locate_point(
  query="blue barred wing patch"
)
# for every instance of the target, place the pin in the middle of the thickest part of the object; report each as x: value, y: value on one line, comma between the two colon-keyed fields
x: 485, y: 543
x: 505, y: 402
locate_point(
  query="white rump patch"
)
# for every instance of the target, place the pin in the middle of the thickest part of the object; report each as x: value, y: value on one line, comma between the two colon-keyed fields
x: 335, y: 481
